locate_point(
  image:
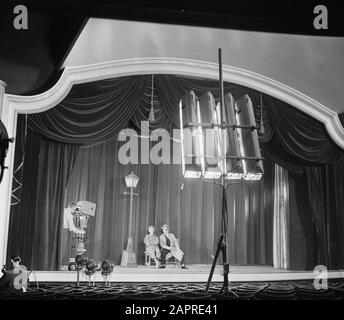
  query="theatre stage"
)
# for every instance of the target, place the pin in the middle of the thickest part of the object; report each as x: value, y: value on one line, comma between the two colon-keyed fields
x: 195, y: 273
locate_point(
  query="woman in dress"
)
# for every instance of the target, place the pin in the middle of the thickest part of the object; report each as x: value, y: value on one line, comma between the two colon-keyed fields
x: 151, y: 241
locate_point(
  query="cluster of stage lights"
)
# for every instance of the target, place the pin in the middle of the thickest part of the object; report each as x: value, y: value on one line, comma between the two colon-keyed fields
x: 219, y: 141
x: 91, y: 267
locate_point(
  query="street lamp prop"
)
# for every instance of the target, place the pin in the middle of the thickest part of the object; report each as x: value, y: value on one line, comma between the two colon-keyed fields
x: 219, y: 142
x: 128, y: 255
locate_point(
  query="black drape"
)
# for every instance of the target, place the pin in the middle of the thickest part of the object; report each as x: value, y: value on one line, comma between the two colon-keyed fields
x: 193, y: 213
x: 56, y: 161
x: 21, y: 229
x: 301, y: 145
x: 92, y: 113
x: 36, y: 220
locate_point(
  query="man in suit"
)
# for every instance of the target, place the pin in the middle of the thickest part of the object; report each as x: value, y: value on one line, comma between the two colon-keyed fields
x: 169, y: 244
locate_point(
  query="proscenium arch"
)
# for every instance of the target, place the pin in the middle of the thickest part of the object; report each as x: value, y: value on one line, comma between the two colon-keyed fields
x: 14, y: 105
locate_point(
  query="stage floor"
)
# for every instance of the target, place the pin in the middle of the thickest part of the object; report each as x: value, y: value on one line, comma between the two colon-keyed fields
x: 195, y: 273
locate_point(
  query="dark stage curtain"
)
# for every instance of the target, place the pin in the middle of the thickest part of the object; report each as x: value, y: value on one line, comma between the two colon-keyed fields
x: 93, y: 113
x: 301, y: 145
x: 36, y: 220
x: 193, y: 213
x: 56, y: 163
x: 21, y: 229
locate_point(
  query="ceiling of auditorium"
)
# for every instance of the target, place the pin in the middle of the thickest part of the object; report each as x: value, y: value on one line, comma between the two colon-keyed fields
x: 311, y: 65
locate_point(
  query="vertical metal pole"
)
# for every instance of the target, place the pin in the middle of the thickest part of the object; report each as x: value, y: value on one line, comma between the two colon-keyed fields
x: 223, y: 182
x: 222, y: 244
x: 224, y: 233
x: 130, y: 219
x: 222, y: 99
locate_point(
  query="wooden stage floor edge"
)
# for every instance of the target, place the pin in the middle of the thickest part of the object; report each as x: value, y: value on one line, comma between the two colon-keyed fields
x: 195, y: 273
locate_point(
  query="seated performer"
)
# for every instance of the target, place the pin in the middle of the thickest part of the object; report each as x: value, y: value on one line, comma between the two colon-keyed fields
x: 151, y: 241
x: 169, y: 244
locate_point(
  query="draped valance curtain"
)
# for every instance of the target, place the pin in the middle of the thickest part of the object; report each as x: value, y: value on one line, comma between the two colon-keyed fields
x: 93, y: 113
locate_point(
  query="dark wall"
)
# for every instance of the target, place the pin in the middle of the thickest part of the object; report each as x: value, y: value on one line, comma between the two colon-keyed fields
x: 30, y: 58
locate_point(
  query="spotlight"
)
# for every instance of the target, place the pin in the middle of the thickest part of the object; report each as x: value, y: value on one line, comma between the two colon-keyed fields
x: 248, y: 140
x: 98, y: 266
x: 211, y: 137
x: 107, y: 267
x: 71, y: 266
x: 191, y: 136
x: 90, y: 268
x: 80, y: 261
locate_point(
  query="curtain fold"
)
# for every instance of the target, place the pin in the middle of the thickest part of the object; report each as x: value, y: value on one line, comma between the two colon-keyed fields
x: 193, y: 213
x: 150, y: 97
x: 281, y: 219
x: 171, y: 88
x: 56, y: 162
x: 302, y: 146
x: 93, y: 112
x: 302, y: 136
x: 21, y: 228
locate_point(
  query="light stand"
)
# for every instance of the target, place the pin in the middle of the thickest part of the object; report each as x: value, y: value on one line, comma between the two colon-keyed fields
x: 222, y: 243
x: 236, y: 144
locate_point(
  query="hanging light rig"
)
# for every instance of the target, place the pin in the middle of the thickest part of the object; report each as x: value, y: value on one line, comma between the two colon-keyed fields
x: 219, y: 139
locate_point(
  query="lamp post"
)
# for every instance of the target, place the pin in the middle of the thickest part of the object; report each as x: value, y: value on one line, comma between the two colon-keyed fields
x: 128, y: 255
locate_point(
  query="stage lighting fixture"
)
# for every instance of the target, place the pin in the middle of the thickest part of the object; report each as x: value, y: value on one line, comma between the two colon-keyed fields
x: 71, y: 266
x: 80, y: 261
x: 98, y: 266
x: 107, y: 267
x: 233, y: 162
x: 191, y: 136
x: 224, y: 146
x: 248, y: 139
x: 211, y: 138
x: 90, y: 268
x: 218, y: 146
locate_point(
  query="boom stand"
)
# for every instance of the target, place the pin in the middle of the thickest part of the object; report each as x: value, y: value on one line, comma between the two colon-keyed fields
x: 222, y: 245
